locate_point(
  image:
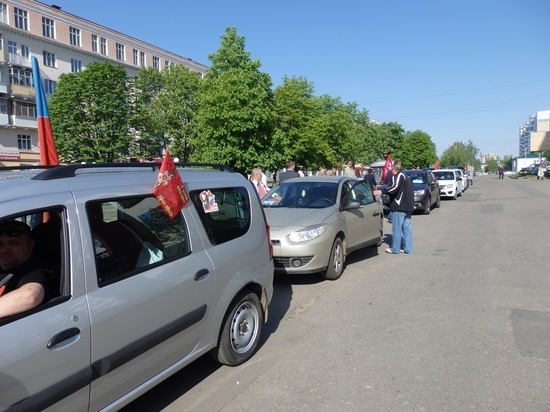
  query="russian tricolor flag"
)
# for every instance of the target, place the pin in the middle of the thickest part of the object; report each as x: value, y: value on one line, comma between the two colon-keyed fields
x: 48, y: 152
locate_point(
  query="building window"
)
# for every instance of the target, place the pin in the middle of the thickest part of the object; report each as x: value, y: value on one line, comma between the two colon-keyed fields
x: 120, y: 52
x: 135, y: 56
x: 76, y: 66
x: 3, y: 106
x: 48, y: 28
x: 24, y: 142
x: 166, y: 64
x: 25, y: 109
x: 94, y: 43
x: 49, y: 59
x: 21, y: 19
x: 12, y: 47
x: 142, y: 61
x: 74, y: 36
x: 25, y: 51
x: 22, y: 77
x: 49, y: 86
x: 103, y: 43
x: 156, y: 62
x: 3, y: 13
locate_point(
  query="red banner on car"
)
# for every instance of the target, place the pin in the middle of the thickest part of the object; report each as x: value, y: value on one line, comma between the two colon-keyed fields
x: 169, y: 189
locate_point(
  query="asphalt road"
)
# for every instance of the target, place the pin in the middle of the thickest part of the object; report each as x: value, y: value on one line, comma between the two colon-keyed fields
x: 462, y: 324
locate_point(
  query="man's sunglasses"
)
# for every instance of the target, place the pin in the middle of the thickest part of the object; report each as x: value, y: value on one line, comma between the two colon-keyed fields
x: 12, y: 233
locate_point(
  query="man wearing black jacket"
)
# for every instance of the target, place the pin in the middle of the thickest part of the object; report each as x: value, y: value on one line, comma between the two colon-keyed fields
x: 401, y: 193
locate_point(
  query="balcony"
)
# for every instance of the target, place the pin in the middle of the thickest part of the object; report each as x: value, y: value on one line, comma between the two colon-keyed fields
x: 25, y: 122
x: 26, y: 92
x: 18, y: 60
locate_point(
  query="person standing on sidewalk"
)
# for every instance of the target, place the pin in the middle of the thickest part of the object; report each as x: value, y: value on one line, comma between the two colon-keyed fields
x: 540, y: 172
x: 402, y: 205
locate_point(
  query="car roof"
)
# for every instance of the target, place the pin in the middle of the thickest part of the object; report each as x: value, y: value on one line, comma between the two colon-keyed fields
x: 24, y: 183
x: 320, y: 179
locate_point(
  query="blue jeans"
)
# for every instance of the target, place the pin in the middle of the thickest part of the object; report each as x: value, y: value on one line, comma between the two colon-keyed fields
x: 401, y: 232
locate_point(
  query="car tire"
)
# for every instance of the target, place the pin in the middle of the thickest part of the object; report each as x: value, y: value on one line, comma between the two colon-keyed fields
x: 428, y: 206
x: 455, y: 195
x: 336, y: 261
x: 241, y: 330
x: 438, y: 203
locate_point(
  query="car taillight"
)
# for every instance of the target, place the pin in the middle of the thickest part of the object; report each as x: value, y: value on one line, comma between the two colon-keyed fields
x: 268, y: 231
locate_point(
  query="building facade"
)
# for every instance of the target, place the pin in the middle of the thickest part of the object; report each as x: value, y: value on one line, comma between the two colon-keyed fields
x: 533, y: 132
x: 62, y: 43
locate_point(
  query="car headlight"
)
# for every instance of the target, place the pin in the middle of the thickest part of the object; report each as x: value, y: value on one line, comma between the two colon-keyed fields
x: 450, y: 186
x: 309, y: 233
x: 419, y: 192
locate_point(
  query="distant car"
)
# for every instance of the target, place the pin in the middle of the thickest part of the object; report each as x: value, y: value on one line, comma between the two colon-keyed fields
x: 450, y: 183
x: 317, y: 221
x: 426, y: 190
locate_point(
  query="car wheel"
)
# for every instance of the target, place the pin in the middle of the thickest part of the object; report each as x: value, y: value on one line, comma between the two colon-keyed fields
x: 428, y: 206
x: 336, y: 261
x: 241, y: 331
x: 438, y: 203
x: 455, y: 195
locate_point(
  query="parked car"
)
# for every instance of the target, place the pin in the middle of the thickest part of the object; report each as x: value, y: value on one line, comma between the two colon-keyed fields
x: 317, y: 221
x: 137, y: 295
x: 450, y: 183
x: 462, y: 174
x: 426, y: 190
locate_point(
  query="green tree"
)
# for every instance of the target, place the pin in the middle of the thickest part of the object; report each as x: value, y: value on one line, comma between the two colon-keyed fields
x: 90, y: 114
x: 174, y: 109
x: 418, y: 150
x: 461, y: 154
x: 148, y: 140
x: 492, y: 165
x: 235, y: 118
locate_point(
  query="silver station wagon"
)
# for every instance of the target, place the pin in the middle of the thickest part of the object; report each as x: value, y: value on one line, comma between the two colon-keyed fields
x: 134, y: 295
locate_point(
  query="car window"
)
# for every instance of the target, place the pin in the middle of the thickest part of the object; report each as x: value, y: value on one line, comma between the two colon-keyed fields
x: 302, y: 194
x: 361, y: 191
x: 417, y: 177
x: 131, y: 234
x: 47, y: 231
x: 224, y: 212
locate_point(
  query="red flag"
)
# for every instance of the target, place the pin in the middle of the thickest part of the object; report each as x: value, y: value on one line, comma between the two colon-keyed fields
x: 386, y: 169
x: 48, y: 152
x: 169, y: 189
x: 436, y: 165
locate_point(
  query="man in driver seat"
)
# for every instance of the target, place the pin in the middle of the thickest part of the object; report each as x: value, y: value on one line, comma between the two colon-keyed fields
x: 23, y: 284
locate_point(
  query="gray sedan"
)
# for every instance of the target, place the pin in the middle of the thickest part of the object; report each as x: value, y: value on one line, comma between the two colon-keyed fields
x: 316, y: 221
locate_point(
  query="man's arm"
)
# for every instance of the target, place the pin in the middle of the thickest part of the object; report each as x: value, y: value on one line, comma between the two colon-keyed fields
x: 22, y: 299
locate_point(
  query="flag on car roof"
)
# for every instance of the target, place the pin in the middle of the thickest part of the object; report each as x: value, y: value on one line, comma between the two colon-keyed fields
x: 169, y: 189
x: 48, y: 152
x: 387, y: 168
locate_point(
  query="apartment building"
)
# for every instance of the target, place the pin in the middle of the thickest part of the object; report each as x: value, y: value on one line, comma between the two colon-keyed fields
x: 62, y: 43
x: 534, y: 135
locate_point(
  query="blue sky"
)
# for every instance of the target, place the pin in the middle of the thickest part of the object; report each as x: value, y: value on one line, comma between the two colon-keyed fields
x: 457, y: 70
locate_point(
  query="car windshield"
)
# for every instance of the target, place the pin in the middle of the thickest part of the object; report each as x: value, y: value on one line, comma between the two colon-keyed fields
x: 302, y: 194
x: 444, y: 175
x: 417, y: 177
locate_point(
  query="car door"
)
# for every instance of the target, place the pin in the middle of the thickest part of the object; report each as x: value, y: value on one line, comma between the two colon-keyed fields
x: 149, y: 317
x: 363, y: 224
x: 45, y: 356
x: 433, y: 187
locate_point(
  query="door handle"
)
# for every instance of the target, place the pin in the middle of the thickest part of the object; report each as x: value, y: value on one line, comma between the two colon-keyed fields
x: 201, y: 274
x: 64, y: 338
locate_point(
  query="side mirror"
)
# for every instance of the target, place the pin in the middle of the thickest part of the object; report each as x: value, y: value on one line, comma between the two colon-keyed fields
x: 352, y: 205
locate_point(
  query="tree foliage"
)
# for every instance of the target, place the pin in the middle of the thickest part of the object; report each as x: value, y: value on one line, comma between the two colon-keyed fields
x: 235, y: 119
x: 90, y: 114
x: 461, y: 154
x: 418, y: 150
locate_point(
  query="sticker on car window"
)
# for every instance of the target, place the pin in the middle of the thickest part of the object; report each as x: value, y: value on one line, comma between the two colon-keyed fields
x: 208, y: 201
